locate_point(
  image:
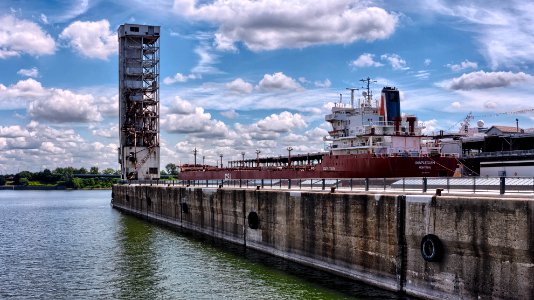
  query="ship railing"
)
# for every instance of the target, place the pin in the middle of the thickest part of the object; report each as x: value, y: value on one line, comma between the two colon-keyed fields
x: 425, y: 185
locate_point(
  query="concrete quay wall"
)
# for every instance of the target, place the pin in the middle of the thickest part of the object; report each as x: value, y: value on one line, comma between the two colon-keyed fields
x: 488, y: 244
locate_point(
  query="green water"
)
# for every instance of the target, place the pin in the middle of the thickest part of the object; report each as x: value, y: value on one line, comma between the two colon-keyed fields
x: 73, y: 245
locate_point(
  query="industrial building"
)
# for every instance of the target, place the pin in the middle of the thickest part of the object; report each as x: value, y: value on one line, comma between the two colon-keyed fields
x: 139, y: 152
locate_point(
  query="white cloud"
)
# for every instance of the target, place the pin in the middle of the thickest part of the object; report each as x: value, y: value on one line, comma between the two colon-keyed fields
x: 430, y: 127
x: 490, y: 104
x: 283, y: 122
x: 44, y: 19
x: 181, y: 107
x: 13, y: 131
x: 179, y: 77
x: 55, y: 105
x: 20, y: 36
x: 502, y: 29
x: 109, y: 131
x: 303, y: 80
x: 91, y: 39
x: 240, y: 86
x: 37, y: 145
x: 230, y: 114
x: 77, y: 8
x: 278, y: 81
x: 51, y: 148
x: 199, y: 123
x: 64, y: 106
x: 422, y: 74
x: 183, y: 117
x: 33, y: 72
x: 365, y: 60
x: 17, y: 95
x: 485, y: 80
x: 456, y: 105
x: 428, y: 62
x: 267, y: 25
x: 206, y: 61
x: 396, y: 62
x: 18, y: 143
x: 323, y: 84
x: 208, y: 95
x: 205, y: 65
x: 108, y: 106
x: 466, y: 64
x: 316, y: 133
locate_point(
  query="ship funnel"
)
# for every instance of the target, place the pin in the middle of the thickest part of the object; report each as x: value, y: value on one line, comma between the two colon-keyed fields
x: 411, y: 124
x: 352, y: 96
x: 390, y: 106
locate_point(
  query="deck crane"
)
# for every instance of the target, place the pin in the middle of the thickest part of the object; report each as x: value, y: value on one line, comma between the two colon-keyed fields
x: 466, y: 122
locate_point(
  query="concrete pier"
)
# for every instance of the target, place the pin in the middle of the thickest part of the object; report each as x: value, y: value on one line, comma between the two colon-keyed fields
x: 484, y: 247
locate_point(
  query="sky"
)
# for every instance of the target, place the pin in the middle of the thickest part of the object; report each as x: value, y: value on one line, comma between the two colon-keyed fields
x: 242, y: 75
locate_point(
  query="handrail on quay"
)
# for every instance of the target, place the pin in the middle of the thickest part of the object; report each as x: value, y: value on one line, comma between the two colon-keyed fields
x: 502, y: 185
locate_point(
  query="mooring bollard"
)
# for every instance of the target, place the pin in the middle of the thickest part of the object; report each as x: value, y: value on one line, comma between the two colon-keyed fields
x: 424, y: 184
x: 366, y: 184
x: 324, y: 184
x: 502, y: 185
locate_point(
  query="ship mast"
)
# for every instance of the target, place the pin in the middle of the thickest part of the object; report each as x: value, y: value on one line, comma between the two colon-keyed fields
x: 369, y: 95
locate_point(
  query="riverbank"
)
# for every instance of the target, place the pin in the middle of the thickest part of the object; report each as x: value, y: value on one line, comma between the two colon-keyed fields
x: 44, y: 188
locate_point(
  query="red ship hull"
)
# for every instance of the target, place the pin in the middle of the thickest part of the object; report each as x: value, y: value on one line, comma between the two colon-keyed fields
x: 336, y: 166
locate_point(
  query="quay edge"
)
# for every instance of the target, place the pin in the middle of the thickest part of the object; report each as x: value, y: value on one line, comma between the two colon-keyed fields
x: 487, y: 243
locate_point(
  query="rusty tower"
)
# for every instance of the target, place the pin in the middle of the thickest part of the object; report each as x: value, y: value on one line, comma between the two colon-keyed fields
x: 139, y: 101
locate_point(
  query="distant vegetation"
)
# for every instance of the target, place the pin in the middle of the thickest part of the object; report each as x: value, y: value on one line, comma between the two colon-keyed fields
x: 72, y: 178
x: 68, y: 177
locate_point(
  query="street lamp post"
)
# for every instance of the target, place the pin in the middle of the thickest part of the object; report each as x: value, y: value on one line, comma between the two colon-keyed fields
x: 243, y: 159
x: 221, y: 160
x: 289, y: 149
x: 258, y: 157
x: 195, y: 151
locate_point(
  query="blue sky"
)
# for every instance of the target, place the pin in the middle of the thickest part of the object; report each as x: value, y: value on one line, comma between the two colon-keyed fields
x: 242, y: 75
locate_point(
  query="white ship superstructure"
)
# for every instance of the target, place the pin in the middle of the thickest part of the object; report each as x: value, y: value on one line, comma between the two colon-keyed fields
x: 376, y: 128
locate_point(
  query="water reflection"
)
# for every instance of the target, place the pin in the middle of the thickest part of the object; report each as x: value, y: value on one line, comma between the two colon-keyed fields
x: 73, y: 245
x: 136, y: 260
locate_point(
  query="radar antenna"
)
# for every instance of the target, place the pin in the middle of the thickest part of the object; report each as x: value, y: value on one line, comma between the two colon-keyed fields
x: 368, y: 81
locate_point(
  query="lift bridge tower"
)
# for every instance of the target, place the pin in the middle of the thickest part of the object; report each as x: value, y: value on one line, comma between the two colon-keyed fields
x: 139, y: 155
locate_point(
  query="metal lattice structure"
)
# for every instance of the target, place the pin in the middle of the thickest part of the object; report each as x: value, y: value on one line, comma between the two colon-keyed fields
x: 139, y: 101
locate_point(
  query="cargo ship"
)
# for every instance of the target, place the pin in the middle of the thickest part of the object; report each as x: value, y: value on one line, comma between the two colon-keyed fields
x: 369, y: 139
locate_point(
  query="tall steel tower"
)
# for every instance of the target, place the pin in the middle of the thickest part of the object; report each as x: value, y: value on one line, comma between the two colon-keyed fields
x: 139, y: 101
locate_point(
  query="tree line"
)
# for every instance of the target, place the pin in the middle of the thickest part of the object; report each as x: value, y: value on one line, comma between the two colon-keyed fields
x: 69, y: 177
x: 62, y: 177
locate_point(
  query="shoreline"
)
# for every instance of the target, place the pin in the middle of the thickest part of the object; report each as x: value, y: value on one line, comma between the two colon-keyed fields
x: 46, y: 188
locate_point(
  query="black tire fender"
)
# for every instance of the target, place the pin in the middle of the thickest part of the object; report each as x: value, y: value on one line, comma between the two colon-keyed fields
x: 431, y: 248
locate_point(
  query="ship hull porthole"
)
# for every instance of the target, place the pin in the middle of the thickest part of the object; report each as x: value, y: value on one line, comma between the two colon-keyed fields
x: 253, y: 220
x: 431, y: 248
